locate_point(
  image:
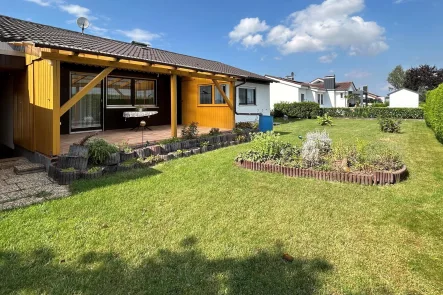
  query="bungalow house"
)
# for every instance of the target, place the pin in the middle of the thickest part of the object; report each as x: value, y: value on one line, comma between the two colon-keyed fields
x: 56, y: 83
x: 325, y: 91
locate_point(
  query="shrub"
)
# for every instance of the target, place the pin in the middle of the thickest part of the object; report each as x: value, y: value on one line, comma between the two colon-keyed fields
x: 190, y: 131
x: 314, y: 149
x: 301, y: 110
x: 390, y: 125
x: 100, y: 150
x: 324, y: 120
x: 380, y: 105
x: 397, y: 113
x: 268, y: 145
x: 434, y: 111
x: 169, y: 140
x: 124, y: 147
x: 214, y: 131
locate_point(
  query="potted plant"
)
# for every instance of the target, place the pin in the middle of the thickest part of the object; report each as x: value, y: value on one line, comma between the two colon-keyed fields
x: 67, y: 175
x: 126, y: 152
x: 101, y: 152
x: 204, y: 146
x: 128, y: 165
x: 93, y: 173
x: 139, y: 108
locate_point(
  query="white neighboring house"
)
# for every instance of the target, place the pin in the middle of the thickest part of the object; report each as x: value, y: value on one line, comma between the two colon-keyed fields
x: 403, y: 98
x: 324, y: 91
x: 252, y: 98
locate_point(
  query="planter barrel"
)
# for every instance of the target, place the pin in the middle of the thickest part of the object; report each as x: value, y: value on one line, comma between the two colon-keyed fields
x: 113, y: 159
x: 65, y: 178
x: 126, y: 156
x: 76, y: 162
x: 78, y: 150
x: 92, y: 175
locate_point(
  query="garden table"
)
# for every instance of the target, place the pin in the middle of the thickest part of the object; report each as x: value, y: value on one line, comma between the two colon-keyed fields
x: 138, y: 114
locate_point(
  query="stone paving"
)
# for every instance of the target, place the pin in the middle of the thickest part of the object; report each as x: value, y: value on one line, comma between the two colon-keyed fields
x: 23, y: 190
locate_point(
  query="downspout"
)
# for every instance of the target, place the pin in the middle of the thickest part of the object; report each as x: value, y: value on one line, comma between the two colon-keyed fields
x: 235, y: 105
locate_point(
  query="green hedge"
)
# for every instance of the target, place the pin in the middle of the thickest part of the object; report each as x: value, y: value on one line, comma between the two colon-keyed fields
x: 398, y: 113
x: 301, y: 110
x: 434, y: 111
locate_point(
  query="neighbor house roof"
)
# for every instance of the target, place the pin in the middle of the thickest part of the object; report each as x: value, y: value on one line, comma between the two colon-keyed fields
x: 403, y: 89
x: 288, y: 80
x: 339, y: 86
x: 16, y: 30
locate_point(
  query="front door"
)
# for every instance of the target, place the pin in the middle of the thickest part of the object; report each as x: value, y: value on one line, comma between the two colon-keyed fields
x: 86, y: 115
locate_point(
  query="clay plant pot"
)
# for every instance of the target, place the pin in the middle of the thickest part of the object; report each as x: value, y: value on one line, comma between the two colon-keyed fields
x: 67, y: 161
x: 126, y: 156
x: 92, y: 175
x: 142, y: 152
x: 78, y: 150
x: 156, y: 150
x: 67, y: 177
x: 113, y: 159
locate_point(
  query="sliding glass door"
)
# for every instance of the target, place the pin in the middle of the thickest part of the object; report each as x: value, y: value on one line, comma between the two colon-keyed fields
x: 86, y: 115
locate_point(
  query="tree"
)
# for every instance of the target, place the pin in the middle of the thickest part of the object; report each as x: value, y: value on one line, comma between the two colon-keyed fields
x: 397, y: 77
x: 423, y: 78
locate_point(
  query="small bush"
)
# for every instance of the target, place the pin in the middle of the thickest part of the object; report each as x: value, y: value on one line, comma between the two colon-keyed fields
x: 314, y: 149
x: 324, y: 120
x: 434, y: 111
x: 124, y: 147
x: 100, y: 150
x: 268, y: 145
x: 390, y: 125
x: 380, y: 105
x: 214, y: 131
x: 301, y: 110
x: 169, y: 140
x: 396, y: 113
x: 190, y: 131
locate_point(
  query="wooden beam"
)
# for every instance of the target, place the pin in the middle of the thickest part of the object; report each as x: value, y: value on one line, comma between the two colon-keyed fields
x: 174, y: 105
x: 55, y: 67
x: 223, y: 94
x: 96, y: 60
x: 232, y: 95
x: 79, y: 95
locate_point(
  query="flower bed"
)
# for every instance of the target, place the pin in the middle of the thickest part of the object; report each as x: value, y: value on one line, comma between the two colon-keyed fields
x: 375, y: 178
x: 364, y: 163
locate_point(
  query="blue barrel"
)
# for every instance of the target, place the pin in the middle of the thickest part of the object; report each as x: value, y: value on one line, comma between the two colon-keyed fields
x: 265, y: 123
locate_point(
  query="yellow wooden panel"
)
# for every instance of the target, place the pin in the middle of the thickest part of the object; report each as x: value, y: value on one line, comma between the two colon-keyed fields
x: 217, y: 116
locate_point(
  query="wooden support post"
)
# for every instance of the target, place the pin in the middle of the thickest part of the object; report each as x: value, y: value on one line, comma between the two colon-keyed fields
x: 232, y: 95
x: 79, y: 95
x: 223, y: 94
x: 174, y: 105
x: 55, y: 65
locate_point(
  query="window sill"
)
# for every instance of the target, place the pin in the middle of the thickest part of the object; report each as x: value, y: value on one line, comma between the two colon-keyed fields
x: 131, y: 107
x: 213, y: 105
x: 247, y: 105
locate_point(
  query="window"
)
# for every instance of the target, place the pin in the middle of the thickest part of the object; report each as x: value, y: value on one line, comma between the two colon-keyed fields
x: 119, y: 92
x: 320, y: 99
x: 145, y: 92
x: 218, y: 97
x: 341, y: 95
x: 206, y: 94
x: 302, y: 97
x: 246, y: 96
x: 128, y: 92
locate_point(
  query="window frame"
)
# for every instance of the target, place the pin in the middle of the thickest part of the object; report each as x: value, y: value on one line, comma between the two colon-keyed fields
x: 302, y: 97
x: 248, y: 104
x: 133, y: 97
x: 320, y: 99
x: 213, y: 89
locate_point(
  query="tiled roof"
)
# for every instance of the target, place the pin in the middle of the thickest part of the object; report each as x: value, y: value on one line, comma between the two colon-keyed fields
x: 12, y: 29
x: 289, y: 81
x: 339, y: 86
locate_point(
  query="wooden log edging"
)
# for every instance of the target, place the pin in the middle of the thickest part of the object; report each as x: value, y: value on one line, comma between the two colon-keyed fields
x: 375, y: 178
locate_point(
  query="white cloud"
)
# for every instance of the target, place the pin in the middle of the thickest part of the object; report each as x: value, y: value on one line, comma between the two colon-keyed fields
x: 277, y: 58
x: 330, y: 25
x: 399, y: 1
x: 247, y: 31
x: 357, y: 74
x: 328, y: 58
x: 41, y: 2
x: 139, y: 35
x: 77, y: 10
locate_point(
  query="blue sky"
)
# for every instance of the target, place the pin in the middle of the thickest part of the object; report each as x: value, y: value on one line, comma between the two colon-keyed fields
x: 357, y: 40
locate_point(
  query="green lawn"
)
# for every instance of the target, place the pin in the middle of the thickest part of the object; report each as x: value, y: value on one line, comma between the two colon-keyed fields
x: 200, y: 225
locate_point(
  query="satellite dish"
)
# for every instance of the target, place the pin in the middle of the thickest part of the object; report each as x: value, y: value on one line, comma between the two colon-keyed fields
x: 83, y: 23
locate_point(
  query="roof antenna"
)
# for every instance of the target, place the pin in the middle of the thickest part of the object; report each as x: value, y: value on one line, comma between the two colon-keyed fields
x: 83, y: 23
